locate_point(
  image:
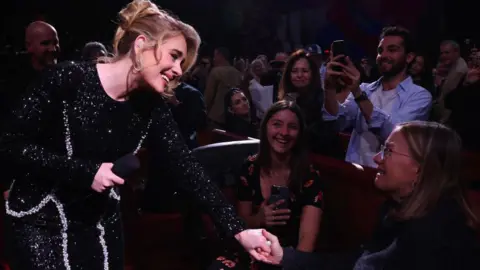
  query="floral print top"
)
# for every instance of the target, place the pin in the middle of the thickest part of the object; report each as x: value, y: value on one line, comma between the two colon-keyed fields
x: 311, y: 193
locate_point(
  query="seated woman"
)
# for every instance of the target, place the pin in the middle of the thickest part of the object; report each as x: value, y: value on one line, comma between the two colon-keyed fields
x: 421, y: 73
x: 427, y: 223
x: 301, y: 83
x: 282, y: 161
x: 238, y: 118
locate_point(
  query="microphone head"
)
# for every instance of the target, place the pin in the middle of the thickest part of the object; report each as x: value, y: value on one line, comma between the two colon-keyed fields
x: 126, y: 166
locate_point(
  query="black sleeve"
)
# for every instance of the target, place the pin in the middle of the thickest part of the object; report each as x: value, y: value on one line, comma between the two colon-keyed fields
x: 298, y: 260
x: 173, y: 155
x: 20, y: 133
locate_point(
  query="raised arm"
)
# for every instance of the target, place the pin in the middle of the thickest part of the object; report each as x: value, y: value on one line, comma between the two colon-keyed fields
x: 26, y: 124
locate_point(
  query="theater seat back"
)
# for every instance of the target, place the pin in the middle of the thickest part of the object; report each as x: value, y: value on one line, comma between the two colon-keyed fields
x: 351, y: 204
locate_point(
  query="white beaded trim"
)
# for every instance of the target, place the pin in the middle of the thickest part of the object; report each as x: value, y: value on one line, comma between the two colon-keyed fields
x: 59, y: 206
x: 101, y: 238
x: 63, y: 221
x: 114, y: 195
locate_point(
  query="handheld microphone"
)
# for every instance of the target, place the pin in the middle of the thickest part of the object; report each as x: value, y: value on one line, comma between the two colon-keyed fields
x: 126, y: 166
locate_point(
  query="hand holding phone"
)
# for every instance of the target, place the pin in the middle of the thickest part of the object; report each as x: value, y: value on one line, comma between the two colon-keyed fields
x: 338, y: 48
x: 274, y: 211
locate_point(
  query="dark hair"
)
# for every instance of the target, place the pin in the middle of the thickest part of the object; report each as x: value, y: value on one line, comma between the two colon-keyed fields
x: 224, y: 52
x: 426, y: 76
x: 299, y: 164
x: 91, y: 49
x: 402, y: 32
x: 286, y: 85
x: 228, y: 103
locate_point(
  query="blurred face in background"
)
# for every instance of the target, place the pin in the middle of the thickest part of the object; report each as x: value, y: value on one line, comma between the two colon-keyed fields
x: 240, y: 105
x: 448, y: 54
x: 418, y: 66
x: 258, y: 68
x: 301, y: 73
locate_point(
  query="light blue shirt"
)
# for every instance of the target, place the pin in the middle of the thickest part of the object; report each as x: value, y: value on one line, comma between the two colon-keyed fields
x: 412, y: 103
x: 323, y: 72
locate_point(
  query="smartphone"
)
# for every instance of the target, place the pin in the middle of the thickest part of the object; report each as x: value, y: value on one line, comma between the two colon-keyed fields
x: 338, y: 48
x: 278, y: 193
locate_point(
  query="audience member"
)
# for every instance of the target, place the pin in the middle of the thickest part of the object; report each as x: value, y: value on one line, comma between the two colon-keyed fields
x: 188, y: 109
x: 373, y: 110
x: 93, y: 50
x: 463, y: 103
x: 301, y: 83
x: 456, y: 69
x: 282, y: 162
x: 421, y: 73
x: 221, y: 79
x: 238, y: 118
x: 426, y: 224
x: 261, y: 95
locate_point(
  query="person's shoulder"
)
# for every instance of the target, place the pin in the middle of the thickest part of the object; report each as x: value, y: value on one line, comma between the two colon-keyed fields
x: 418, y: 91
x: 68, y: 69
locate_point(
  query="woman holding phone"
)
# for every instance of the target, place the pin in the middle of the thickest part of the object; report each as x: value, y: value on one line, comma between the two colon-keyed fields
x: 282, y: 165
x: 426, y: 223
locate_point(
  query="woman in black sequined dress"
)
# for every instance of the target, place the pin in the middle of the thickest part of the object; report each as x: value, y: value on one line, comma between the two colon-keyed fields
x: 63, y: 207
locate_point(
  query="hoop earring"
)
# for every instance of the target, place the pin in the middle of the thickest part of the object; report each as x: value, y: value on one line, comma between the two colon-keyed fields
x: 137, y: 67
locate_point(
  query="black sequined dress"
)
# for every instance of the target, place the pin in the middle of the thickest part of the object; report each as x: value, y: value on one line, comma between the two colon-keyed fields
x: 58, y: 221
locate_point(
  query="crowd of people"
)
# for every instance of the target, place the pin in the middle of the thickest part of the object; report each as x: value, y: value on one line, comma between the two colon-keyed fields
x: 64, y: 126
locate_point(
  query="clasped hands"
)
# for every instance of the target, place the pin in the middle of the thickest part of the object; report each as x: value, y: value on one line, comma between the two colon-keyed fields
x: 262, y: 245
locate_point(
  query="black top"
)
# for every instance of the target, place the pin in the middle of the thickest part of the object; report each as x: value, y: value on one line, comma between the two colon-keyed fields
x: 16, y: 83
x: 190, y: 114
x: 464, y: 105
x: 311, y: 193
x: 102, y: 130
x: 322, y: 135
x: 439, y: 240
x: 241, y: 126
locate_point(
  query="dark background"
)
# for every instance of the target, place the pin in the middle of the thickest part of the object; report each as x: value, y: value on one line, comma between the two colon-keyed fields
x: 81, y: 21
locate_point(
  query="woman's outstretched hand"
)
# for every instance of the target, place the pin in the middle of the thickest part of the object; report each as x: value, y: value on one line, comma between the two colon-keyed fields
x: 276, y: 251
x: 255, y: 243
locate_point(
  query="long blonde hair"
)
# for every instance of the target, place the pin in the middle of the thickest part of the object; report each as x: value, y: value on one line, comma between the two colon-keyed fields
x: 438, y: 150
x: 142, y: 17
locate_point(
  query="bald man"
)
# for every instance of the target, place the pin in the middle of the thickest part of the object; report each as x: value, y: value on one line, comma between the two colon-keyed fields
x: 41, y: 41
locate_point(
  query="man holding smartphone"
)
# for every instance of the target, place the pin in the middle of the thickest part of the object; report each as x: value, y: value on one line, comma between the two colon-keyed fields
x: 373, y: 110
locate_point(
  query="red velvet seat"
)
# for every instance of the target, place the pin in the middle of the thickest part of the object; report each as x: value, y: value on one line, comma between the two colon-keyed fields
x: 160, y: 242
x: 351, y: 204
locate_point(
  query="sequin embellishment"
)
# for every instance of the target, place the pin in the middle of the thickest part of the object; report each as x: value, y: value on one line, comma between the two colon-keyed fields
x: 52, y: 198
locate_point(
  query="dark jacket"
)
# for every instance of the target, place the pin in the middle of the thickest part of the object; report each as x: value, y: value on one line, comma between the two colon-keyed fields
x: 439, y: 240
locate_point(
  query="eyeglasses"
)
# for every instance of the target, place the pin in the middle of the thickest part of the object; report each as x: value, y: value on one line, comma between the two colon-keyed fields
x: 387, y: 152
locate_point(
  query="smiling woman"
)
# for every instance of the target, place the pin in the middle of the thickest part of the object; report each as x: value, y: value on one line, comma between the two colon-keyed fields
x: 277, y: 188
x: 157, y: 47
x: 63, y: 208
x: 426, y: 222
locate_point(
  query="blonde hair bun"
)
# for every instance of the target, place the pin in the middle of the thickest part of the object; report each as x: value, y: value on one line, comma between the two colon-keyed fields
x: 135, y: 10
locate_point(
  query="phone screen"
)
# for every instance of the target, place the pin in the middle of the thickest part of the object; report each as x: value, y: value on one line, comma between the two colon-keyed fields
x: 338, y: 48
x: 280, y: 193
